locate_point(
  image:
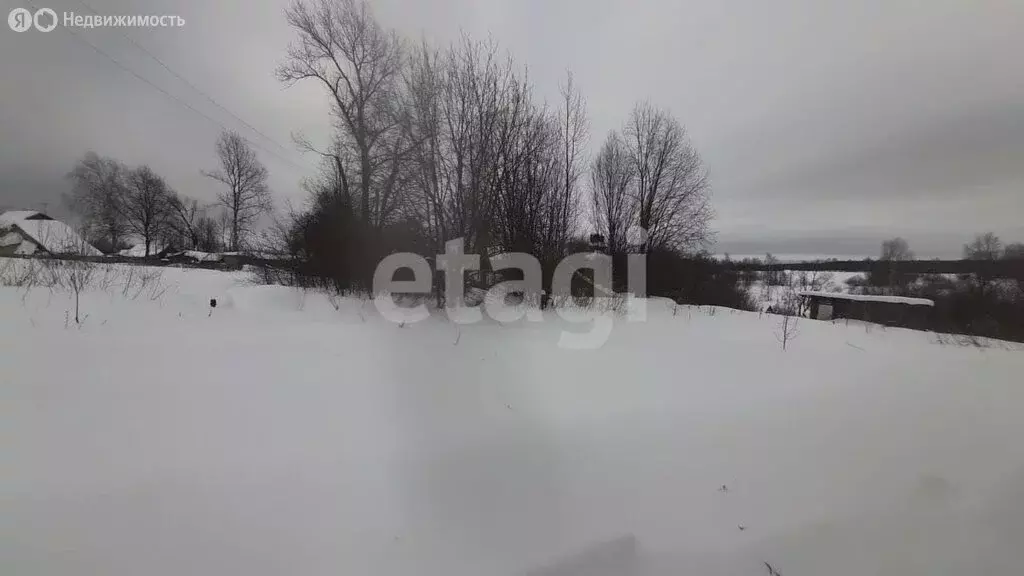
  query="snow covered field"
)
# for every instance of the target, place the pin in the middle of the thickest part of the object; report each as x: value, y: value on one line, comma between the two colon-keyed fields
x: 286, y: 433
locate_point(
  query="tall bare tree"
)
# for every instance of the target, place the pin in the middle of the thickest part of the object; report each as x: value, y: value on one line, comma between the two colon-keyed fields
x: 896, y: 249
x: 186, y: 220
x: 429, y: 192
x: 208, y: 234
x: 985, y: 246
x: 1014, y: 251
x: 247, y: 197
x: 573, y: 136
x: 147, y: 205
x: 477, y: 136
x: 344, y: 49
x: 671, y: 182
x: 97, y: 197
x: 477, y: 88
x: 611, y: 184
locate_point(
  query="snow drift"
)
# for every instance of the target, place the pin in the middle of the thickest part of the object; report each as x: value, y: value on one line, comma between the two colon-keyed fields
x: 288, y: 432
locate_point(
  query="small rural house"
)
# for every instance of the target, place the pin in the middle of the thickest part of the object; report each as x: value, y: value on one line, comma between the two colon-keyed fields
x: 889, y: 310
x: 26, y: 232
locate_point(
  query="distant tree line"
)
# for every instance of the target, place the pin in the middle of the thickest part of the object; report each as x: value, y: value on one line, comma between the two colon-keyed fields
x: 116, y: 203
x: 431, y: 144
x: 985, y: 255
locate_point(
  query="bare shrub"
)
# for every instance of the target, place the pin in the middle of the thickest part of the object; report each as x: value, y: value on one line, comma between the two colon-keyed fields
x: 19, y: 273
x: 787, y: 330
x: 73, y: 276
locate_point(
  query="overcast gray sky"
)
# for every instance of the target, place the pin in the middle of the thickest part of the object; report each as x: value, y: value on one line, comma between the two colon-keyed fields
x: 827, y: 126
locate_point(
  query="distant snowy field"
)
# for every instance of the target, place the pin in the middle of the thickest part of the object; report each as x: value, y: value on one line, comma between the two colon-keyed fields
x: 286, y: 433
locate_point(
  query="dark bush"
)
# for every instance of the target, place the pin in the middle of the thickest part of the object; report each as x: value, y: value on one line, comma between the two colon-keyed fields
x: 695, y: 280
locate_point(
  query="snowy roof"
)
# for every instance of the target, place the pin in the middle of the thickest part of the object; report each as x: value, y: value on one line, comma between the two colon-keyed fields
x: 869, y: 298
x: 10, y: 239
x: 53, y: 235
x: 12, y: 217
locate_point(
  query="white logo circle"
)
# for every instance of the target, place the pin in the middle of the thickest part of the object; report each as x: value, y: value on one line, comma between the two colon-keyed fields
x: 20, y: 19
x: 51, y: 23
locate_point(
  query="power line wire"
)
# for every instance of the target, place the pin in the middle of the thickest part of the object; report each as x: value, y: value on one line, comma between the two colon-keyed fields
x: 190, y: 84
x: 173, y: 97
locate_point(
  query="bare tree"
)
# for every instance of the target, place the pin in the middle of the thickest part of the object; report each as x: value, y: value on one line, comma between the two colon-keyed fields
x: 98, y: 196
x: 430, y: 193
x: 775, y: 273
x: 573, y: 135
x: 191, y: 224
x: 985, y: 246
x: 1014, y: 251
x: 222, y: 228
x: 73, y: 275
x: 889, y: 274
x: 896, y: 249
x: 477, y: 88
x: 344, y: 49
x: 787, y: 330
x: 147, y: 205
x: 611, y: 181
x: 247, y: 197
x: 208, y: 234
x: 806, y: 281
x: 485, y: 161
x: 186, y: 215
x: 671, y: 182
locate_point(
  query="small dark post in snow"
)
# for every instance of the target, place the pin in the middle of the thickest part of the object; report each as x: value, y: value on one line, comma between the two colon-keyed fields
x: 213, y: 304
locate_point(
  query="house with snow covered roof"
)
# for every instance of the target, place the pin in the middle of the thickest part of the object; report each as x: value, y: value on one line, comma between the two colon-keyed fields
x: 27, y: 232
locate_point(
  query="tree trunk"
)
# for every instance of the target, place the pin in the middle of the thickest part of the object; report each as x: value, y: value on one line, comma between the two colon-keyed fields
x: 365, y: 200
x: 234, y: 229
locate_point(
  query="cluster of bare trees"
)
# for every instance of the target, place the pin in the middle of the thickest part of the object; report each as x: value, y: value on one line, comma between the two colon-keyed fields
x: 985, y: 246
x: 432, y: 144
x: 116, y: 202
x: 896, y: 249
x: 988, y: 246
x: 651, y: 176
x: 985, y: 249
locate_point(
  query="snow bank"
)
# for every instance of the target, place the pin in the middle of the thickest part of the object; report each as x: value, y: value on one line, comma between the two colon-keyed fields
x: 282, y: 434
x: 139, y: 250
x: 203, y: 256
